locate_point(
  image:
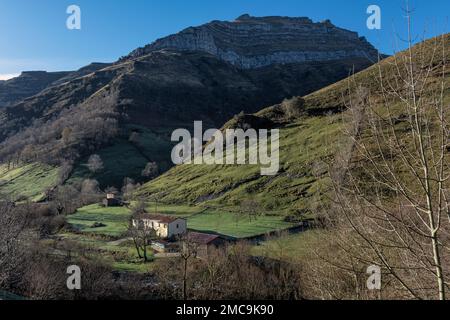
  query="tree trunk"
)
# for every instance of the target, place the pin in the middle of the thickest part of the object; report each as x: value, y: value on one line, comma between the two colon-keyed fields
x: 185, y: 280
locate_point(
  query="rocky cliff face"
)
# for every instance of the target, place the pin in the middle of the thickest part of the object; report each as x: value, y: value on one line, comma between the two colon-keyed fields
x: 207, y: 73
x: 251, y: 42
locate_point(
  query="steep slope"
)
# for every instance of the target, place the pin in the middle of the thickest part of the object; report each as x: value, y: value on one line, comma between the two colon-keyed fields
x: 93, y: 67
x: 28, y: 182
x: 306, y: 144
x: 30, y: 83
x: 244, y: 42
x: 26, y: 85
x: 167, y: 86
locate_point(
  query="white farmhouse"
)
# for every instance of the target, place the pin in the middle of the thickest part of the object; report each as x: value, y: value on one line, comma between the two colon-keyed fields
x: 165, y: 226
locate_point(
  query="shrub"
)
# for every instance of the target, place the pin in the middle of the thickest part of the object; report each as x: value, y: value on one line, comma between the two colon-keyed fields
x: 293, y: 107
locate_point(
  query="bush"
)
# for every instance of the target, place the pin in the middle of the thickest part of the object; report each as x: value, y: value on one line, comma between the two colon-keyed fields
x: 293, y: 108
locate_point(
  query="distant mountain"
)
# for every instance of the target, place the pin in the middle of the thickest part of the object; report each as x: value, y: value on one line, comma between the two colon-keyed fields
x: 26, y: 85
x: 252, y: 42
x: 95, y: 66
x: 30, y: 83
x: 307, y: 142
x: 208, y: 73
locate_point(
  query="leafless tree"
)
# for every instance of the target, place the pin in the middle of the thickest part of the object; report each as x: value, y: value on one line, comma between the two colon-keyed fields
x: 64, y: 171
x: 129, y: 186
x: 66, y: 135
x: 250, y: 208
x: 141, y: 234
x: 391, y: 181
x: 134, y: 138
x: 95, y: 163
x: 90, y: 191
x: 151, y: 170
x: 293, y: 107
x: 189, y: 251
x: 13, y: 223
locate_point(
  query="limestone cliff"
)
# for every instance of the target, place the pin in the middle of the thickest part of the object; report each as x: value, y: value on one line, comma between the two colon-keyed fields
x: 252, y: 42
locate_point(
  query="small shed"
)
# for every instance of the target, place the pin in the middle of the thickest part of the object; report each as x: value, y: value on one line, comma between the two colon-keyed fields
x: 164, y: 246
x: 111, y: 201
x: 205, y: 242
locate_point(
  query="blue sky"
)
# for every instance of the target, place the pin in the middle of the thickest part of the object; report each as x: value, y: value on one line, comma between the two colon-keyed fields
x: 33, y: 34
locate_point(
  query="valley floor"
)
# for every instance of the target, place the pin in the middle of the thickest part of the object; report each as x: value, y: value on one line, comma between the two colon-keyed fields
x: 111, y: 243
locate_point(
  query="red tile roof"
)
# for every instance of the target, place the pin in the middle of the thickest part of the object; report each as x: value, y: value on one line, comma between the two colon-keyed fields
x: 159, y: 217
x: 202, y: 238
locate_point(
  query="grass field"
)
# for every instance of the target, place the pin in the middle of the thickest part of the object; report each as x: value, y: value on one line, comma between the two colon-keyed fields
x: 199, y: 219
x: 122, y: 257
x: 288, y: 247
x: 306, y: 145
x: 27, y: 182
x: 230, y: 224
x: 115, y: 219
x: 293, y: 190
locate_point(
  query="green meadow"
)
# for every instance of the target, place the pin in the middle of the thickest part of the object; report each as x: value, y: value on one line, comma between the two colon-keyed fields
x: 27, y: 182
x: 300, y: 183
x: 122, y: 256
x: 223, y: 222
x: 288, y: 247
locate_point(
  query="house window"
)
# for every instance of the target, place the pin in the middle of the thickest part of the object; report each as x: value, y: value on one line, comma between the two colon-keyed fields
x: 177, y: 226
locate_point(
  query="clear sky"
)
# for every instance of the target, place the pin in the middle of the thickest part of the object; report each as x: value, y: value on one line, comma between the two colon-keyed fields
x: 33, y: 33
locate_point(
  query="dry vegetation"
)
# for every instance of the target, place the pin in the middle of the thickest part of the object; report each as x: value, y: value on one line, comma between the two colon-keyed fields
x: 388, y: 189
x: 391, y: 185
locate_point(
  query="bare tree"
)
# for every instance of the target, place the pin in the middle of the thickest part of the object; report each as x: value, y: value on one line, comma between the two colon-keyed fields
x: 64, y: 171
x: 250, y: 208
x: 391, y: 182
x: 293, y: 107
x: 134, y: 138
x: 141, y: 233
x: 66, y: 135
x: 129, y: 186
x: 151, y: 170
x: 95, y: 163
x: 142, y: 237
x: 90, y: 191
x: 13, y: 223
x: 189, y: 251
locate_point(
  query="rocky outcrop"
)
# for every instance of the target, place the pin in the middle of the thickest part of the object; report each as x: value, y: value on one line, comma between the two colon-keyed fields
x: 208, y: 73
x: 252, y: 42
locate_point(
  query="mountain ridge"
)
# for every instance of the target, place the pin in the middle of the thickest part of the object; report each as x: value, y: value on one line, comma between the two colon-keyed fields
x: 308, y: 140
x: 30, y: 83
x: 152, y: 94
x: 243, y: 42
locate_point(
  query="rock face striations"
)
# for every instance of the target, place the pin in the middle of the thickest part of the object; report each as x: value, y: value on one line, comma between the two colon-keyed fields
x: 252, y: 42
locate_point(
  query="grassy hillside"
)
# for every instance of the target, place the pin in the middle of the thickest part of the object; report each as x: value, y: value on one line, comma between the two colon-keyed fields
x: 91, y: 110
x: 122, y: 159
x: 27, y: 182
x: 126, y: 159
x: 302, y: 145
x: 305, y: 145
x: 289, y: 247
x: 218, y: 221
